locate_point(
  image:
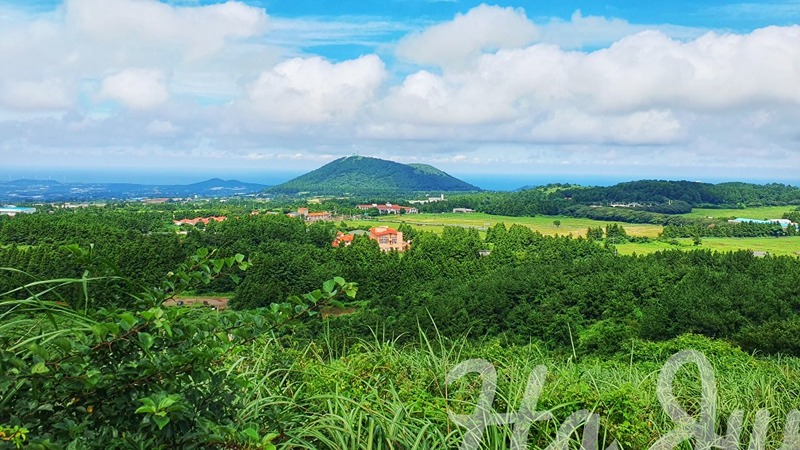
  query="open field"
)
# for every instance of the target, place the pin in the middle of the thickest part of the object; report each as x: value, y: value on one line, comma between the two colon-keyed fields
x: 542, y: 224
x: 763, y: 212
x: 578, y: 226
x: 775, y: 246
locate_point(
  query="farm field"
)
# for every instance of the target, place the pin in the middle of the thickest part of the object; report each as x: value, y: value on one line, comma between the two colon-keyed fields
x: 578, y: 226
x: 762, y: 212
x: 774, y: 246
x: 542, y: 224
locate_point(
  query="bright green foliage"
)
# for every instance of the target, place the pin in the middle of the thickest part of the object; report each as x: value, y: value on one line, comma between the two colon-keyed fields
x: 13, y: 435
x: 151, y: 377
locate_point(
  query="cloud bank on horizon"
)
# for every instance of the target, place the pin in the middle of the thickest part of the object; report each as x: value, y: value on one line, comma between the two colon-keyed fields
x: 143, y: 83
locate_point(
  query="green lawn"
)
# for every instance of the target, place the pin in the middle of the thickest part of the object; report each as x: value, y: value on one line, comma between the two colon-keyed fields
x: 760, y: 213
x: 775, y: 246
x: 542, y: 224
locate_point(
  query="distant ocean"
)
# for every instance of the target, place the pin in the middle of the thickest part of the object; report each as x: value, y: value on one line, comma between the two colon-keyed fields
x: 495, y: 182
x: 514, y: 182
x: 160, y: 177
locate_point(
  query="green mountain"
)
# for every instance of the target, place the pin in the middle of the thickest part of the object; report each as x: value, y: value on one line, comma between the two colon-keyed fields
x: 361, y: 175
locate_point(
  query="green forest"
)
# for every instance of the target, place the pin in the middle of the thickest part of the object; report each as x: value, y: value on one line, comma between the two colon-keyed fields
x: 350, y: 347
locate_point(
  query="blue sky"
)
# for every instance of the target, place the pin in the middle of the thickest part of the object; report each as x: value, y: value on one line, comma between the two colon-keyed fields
x: 617, y: 89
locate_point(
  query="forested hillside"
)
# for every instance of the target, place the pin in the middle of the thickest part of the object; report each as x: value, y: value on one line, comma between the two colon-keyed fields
x: 360, y: 175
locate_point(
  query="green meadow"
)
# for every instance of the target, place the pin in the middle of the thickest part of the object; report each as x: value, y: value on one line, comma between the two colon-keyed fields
x: 542, y: 224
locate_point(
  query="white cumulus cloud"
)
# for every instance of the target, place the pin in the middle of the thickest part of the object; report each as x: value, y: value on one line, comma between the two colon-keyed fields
x: 455, y: 43
x: 314, y: 90
x: 51, y: 60
x: 645, y: 89
x: 196, y: 30
x: 136, y: 88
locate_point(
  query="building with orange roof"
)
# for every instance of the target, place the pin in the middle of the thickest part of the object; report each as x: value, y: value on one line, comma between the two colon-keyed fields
x: 342, y: 240
x: 387, y: 238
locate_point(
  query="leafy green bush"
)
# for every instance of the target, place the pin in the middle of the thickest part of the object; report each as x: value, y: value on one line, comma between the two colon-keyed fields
x: 153, y: 377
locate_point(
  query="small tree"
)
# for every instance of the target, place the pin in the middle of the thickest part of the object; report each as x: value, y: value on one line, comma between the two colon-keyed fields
x: 595, y: 234
x: 616, y: 234
x: 557, y: 223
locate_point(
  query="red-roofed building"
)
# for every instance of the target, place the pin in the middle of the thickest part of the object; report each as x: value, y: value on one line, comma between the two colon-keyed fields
x: 343, y: 240
x: 387, y: 238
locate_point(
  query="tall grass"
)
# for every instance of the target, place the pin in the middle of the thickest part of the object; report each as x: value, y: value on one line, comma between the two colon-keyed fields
x: 37, y: 312
x: 379, y: 394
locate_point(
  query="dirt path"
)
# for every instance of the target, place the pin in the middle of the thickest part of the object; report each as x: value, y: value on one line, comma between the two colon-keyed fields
x: 219, y: 303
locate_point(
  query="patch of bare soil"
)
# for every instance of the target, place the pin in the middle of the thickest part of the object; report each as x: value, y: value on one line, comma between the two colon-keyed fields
x: 218, y: 303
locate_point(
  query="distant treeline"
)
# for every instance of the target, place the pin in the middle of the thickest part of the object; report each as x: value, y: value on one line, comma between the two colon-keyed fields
x: 740, y: 230
x: 695, y: 194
